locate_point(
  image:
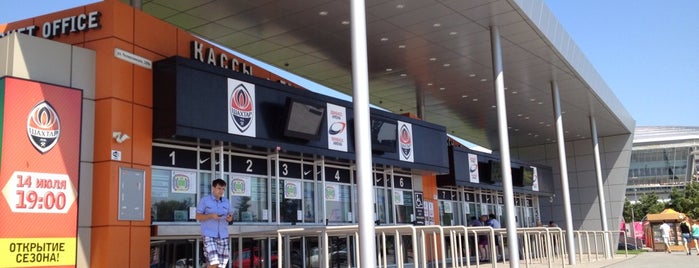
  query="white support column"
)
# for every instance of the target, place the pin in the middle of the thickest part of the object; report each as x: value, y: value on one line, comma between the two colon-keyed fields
x: 560, y: 140
x: 360, y: 84
x: 600, y: 186
x: 511, y: 224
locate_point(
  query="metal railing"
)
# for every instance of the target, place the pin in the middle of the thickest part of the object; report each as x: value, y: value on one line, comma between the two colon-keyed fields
x: 447, y: 246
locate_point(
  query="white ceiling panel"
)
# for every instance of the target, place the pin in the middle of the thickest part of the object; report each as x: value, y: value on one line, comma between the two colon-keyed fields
x: 442, y: 47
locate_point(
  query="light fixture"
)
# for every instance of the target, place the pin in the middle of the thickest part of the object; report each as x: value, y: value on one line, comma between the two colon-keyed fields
x: 120, y: 137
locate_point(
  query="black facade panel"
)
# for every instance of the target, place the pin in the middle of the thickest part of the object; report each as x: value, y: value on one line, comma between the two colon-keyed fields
x: 191, y: 101
x: 459, y: 173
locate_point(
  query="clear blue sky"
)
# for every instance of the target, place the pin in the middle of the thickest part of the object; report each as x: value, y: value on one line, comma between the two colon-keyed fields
x: 646, y: 50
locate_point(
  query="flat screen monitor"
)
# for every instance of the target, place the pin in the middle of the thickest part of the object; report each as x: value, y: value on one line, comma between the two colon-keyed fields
x: 384, y: 135
x: 303, y: 119
x: 518, y: 176
x: 484, y: 172
x: 495, y: 172
x: 528, y: 176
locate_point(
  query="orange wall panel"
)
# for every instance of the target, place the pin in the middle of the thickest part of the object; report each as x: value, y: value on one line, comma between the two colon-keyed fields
x: 142, y: 135
x: 429, y: 190
x: 114, y: 77
x: 112, y: 115
x: 139, y: 246
x: 117, y: 21
x: 143, y: 78
x: 155, y: 35
x: 183, y: 43
x: 105, y: 201
x: 111, y: 247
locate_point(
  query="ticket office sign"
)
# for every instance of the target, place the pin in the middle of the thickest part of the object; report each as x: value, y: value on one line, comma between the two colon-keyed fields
x: 39, y: 170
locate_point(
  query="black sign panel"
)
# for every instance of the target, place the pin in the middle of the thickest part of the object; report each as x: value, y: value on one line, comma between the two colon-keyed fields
x: 288, y: 169
x: 337, y: 175
x: 419, y: 208
x: 379, y: 179
x: 249, y: 165
x: 172, y: 157
x: 447, y: 195
x: 402, y: 182
x: 308, y: 172
x: 205, y: 161
x: 192, y: 102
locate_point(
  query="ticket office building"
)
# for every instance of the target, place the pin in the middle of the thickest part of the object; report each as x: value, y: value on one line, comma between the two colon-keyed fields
x: 153, y: 104
x: 281, y: 178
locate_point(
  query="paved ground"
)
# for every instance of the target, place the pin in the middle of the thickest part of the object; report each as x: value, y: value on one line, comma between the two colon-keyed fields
x: 644, y: 260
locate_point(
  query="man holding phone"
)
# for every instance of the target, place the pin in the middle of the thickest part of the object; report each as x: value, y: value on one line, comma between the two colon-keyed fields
x: 213, y: 212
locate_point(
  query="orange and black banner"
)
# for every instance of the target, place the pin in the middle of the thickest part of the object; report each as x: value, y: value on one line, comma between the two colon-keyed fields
x: 39, y: 170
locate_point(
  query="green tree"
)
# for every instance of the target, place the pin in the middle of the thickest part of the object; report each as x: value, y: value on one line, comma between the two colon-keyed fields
x: 647, y: 204
x: 686, y: 200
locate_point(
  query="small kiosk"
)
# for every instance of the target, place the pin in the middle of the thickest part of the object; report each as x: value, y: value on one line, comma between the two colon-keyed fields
x: 654, y: 237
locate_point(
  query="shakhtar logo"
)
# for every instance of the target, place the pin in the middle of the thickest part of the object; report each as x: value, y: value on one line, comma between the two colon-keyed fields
x: 241, y: 109
x: 43, y: 127
x: 406, y: 141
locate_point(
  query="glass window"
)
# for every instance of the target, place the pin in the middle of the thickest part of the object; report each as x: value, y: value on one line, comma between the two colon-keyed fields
x: 290, y: 199
x: 380, y: 207
x: 338, y: 198
x: 167, y: 204
x: 449, y: 213
x: 248, y: 205
x: 309, y: 208
x: 404, y: 212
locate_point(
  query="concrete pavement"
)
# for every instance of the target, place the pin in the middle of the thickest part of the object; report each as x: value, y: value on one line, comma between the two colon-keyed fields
x: 643, y: 260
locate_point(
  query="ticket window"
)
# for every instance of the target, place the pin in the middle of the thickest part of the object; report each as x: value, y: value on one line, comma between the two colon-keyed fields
x: 381, y: 207
x: 337, y: 194
x: 291, y: 197
x: 248, y: 205
x: 402, y: 197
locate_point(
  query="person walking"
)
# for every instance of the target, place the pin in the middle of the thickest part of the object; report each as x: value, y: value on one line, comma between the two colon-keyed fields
x: 213, y: 212
x: 665, y: 232
x: 686, y: 230
x: 695, y: 235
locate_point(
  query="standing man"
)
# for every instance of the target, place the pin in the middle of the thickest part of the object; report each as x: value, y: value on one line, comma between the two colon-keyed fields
x: 665, y: 231
x: 213, y: 211
x: 493, y: 222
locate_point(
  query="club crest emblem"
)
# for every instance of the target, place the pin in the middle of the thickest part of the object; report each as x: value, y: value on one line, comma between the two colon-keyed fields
x: 406, y: 141
x: 238, y: 187
x: 241, y: 108
x: 43, y: 127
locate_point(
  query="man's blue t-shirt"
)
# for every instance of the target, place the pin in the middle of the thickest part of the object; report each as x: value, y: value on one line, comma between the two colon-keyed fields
x: 212, y: 227
x: 494, y: 223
